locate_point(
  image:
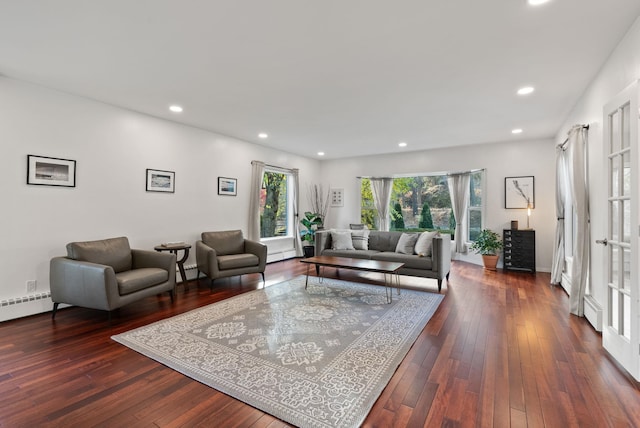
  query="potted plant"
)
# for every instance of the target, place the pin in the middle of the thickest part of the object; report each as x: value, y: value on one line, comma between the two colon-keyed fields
x: 488, y: 244
x: 311, y: 222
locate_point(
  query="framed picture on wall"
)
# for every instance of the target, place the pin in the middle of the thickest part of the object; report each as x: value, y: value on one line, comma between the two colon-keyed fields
x: 519, y: 192
x: 160, y: 181
x: 227, y: 186
x: 337, y: 197
x: 45, y: 171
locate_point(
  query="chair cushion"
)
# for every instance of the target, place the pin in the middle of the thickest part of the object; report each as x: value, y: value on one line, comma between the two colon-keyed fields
x: 234, y: 261
x: 114, y: 252
x: 225, y: 242
x: 139, y: 279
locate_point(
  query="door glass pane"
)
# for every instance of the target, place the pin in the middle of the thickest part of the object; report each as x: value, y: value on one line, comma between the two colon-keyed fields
x: 626, y: 266
x: 614, y: 214
x: 615, y: 131
x: 615, y: 169
x: 626, y: 316
x: 613, y: 310
x: 626, y: 221
x: 626, y: 131
x: 626, y: 174
x: 615, y: 257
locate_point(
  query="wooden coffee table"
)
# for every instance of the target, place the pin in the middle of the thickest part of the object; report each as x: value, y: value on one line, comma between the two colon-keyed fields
x: 386, y: 268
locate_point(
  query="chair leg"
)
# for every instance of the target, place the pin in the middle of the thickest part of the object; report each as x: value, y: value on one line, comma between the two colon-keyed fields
x: 171, y: 293
x: 439, y: 285
x: 211, y: 285
x: 263, y: 281
x: 55, y: 309
x: 448, y: 275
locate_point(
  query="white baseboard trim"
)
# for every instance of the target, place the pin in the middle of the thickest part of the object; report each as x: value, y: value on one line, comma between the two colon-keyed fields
x: 593, y: 312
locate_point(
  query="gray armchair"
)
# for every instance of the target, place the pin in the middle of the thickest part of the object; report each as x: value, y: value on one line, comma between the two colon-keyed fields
x: 108, y: 274
x: 228, y: 253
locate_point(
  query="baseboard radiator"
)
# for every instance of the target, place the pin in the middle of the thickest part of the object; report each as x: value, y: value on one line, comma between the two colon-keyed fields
x: 25, y: 306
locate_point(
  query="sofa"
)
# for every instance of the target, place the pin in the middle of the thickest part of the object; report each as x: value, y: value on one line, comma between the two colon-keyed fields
x: 431, y: 260
x: 107, y: 274
x: 227, y: 253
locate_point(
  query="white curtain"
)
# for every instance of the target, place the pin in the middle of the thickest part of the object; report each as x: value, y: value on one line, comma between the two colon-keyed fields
x: 557, y: 264
x: 459, y: 194
x: 297, y: 241
x: 576, y: 168
x: 257, y: 172
x: 381, y: 188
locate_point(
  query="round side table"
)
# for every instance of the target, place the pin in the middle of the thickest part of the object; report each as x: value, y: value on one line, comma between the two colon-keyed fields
x: 174, y: 248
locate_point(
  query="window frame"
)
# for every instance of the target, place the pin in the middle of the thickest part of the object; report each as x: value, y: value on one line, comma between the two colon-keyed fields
x: 289, y: 206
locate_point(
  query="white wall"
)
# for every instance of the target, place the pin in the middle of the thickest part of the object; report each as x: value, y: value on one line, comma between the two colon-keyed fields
x: 113, y: 148
x: 620, y: 70
x: 536, y: 158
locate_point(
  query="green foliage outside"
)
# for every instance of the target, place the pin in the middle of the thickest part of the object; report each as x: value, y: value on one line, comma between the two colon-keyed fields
x: 426, y: 221
x: 397, y: 221
x: 273, y: 219
x: 368, y: 213
x: 420, y: 197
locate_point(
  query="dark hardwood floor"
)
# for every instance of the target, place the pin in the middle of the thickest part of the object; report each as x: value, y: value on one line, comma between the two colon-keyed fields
x: 500, y: 351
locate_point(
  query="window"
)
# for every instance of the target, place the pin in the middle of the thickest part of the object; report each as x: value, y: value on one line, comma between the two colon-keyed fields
x: 423, y: 203
x: 275, y: 206
x: 368, y: 212
x: 474, y: 215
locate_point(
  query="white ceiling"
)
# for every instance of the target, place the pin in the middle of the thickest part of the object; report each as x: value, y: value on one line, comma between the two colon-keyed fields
x: 346, y: 77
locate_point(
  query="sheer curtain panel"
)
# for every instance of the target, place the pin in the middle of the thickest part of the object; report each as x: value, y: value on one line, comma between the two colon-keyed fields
x: 557, y: 264
x: 257, y: 172
x: 381, y: 189
x: 297, y: 241
x: 459, y: 194
x: 576, y: 155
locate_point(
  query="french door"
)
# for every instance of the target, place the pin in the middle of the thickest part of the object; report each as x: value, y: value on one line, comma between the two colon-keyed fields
x: 620, y: 137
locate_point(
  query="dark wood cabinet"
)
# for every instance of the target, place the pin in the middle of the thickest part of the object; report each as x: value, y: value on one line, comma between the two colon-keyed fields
x: 519, y: 250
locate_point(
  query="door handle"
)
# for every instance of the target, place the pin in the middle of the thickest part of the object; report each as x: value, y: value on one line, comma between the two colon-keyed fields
x: 602, y: 241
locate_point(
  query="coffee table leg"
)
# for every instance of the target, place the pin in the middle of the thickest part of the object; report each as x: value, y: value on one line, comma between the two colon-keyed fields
x: 306, y: 282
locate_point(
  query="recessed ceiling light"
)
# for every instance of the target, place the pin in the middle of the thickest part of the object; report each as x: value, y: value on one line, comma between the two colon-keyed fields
x: 526, y: 90
x: 320, y: 153
x: 263, y: 135
x: 537, y: 2
x: 402, y: 144
x: 516, y: 131
x: 175, y: 109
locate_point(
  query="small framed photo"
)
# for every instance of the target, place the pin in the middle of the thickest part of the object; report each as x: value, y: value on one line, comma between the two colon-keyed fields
x: 337, y: 197
x: 160, y: 181
x: 45, y: 171
x: 519, y: 192
x: 227, y: 186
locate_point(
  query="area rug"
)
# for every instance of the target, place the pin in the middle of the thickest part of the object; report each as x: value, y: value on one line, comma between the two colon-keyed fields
x: 318, y: 357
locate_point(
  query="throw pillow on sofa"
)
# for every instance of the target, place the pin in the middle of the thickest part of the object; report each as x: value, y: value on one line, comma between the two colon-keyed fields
x: 423, y: 245
x: 407, y: 243
x: 341, y: 240
x: 360, y: 239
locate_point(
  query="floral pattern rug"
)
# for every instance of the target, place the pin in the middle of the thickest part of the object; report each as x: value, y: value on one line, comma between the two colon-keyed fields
x: 318, y: 357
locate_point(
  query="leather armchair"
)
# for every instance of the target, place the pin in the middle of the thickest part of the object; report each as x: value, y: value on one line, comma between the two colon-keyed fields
x: 108, y: 274
x: 227, y: 253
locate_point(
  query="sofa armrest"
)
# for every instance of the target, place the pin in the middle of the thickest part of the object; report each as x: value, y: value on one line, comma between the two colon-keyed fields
x: 441, y: 255
x: 86, y: 284
x: 257, y: 248
x: 206, y: 259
